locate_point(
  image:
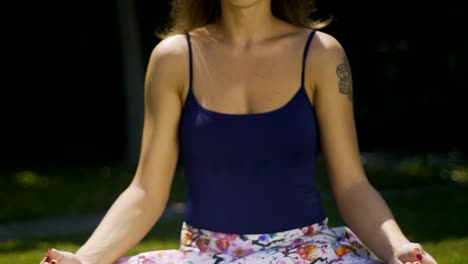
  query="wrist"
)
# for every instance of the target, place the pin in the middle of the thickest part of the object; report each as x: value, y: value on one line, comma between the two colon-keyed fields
x: 394, y: 247
x: 398, y: 244
x: 395, y: 239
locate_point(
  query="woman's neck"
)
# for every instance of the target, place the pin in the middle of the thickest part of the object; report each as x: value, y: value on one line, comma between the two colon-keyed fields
x: 245, y: 25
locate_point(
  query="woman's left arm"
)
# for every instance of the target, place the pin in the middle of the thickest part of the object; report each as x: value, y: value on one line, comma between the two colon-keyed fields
x: 361, y: 206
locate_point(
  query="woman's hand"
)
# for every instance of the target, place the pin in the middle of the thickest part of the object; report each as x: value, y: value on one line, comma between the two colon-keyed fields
x: 61, y: 257
x: 411, y: 253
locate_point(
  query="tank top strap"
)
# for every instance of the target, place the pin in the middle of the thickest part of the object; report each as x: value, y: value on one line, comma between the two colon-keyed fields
x: 304, y: 57
x: 189, y: 43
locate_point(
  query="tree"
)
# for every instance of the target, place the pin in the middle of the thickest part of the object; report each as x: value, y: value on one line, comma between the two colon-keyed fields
x: 133, y: 71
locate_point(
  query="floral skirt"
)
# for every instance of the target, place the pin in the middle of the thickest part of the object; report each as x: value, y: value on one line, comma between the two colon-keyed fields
x: 311, y: 244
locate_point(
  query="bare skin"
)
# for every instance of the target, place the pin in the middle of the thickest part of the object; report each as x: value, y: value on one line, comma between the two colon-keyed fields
x: 263, y: 74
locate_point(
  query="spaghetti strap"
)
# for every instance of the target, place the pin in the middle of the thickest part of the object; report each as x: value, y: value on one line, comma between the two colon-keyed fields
x: 189, y: 43
x: 304, y: 57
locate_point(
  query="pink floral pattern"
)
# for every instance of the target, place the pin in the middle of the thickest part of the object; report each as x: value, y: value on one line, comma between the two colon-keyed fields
x: 312, y: 244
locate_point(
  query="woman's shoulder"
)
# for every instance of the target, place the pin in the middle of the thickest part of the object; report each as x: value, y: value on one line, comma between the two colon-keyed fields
x: 169, y: 54
x: 326, y: 44
x: 169, y: 58
x: 170, y: 48
x: 324, y: 51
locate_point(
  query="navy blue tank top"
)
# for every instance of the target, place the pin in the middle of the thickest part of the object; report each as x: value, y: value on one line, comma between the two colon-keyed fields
x: 250, y: 173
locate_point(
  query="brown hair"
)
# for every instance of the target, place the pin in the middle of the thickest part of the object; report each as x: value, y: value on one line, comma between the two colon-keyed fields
x: 187, y: 15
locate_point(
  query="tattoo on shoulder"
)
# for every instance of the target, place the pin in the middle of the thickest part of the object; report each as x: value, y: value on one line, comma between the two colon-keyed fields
x: 345, y: 82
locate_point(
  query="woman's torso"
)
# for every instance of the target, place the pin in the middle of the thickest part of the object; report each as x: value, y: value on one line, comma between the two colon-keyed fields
x: 249, y: 137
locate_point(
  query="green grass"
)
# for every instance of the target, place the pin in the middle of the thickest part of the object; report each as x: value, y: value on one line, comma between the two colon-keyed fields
x: 30, y: 193
x: 436, y: 217
x: 163, y: 236
x: 45, y: 192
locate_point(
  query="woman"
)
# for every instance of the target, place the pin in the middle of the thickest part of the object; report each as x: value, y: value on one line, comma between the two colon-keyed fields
x: 242, y: 91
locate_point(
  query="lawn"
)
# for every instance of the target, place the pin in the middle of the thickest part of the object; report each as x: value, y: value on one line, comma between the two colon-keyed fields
x: 428, y: 195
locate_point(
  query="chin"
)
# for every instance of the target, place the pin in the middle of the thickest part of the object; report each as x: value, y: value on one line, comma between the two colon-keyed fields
x: 243, y: 3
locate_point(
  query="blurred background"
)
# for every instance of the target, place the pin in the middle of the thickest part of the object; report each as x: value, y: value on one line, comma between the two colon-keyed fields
x: 76, y: 69
x: 72, y: 116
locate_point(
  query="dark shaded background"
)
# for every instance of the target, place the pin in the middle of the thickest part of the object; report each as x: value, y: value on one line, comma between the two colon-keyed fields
x: 63, y: 96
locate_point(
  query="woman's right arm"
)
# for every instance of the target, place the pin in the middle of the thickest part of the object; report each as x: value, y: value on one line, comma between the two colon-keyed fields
x: 141, y: 204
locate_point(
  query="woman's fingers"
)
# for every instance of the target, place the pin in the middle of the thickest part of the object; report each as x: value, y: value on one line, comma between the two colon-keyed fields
x: 418, y: 252
x: 414, y: 253
x: 48, y: 260
x: 55, y: 256
x: 428, y: 259
x: 43, y: 261
x: 61, y: 257
x: 422, y: 256
x: 411, y: 253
